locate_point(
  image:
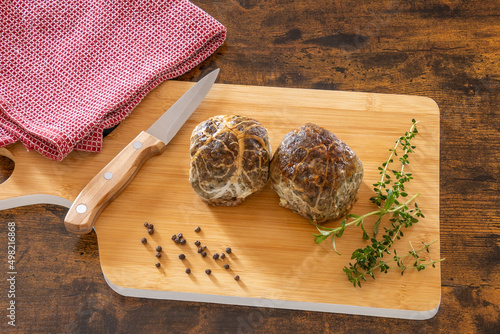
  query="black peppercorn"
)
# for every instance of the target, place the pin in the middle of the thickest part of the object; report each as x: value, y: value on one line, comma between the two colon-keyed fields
x: 158, y: 255
x: 204, y: 254
x: 174, y: 237
x: 236, y: 278
x: 151, y: 231
x: 208, y: 271
x: 200, y: 250
x: 204, y: 247
x: 151, y: 226
x: 179, y: 235
x: 197, y: 243
x: 215, y: 256
x: 146, y: 224
x: 197, y: 229
x: 188, y: 271
x: 158, y: 249
x: 158, y: 265
x: 228, y: 250
x: 182, y: 256
x: 183, y: 241
x: 144, y: 240
x: 222, y: 255
x: 226, y: 266
x: 177, y: 240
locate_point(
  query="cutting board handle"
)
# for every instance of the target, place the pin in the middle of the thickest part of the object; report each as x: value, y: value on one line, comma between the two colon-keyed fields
x: 110, y: 182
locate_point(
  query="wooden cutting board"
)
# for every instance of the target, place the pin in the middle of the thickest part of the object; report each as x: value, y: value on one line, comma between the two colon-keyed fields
x: 273, y: 249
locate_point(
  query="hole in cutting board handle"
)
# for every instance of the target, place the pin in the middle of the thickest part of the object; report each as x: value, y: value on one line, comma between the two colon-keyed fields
x: 6, y: 165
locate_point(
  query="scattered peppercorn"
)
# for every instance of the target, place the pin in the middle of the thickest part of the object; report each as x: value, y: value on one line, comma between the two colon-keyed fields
x: 204, y: 254
x: 182, y: 256
x: 158, y: 265
x: 197, y: 229
x: 215, y: 256
x: 200, y: 250
x: 222, y: 255
x: 144, y: 240
x: 228, y: 250
x: 151, y: 231
x: 158, y: 255
x: 177, y: 240
x: 236, y: 278
x: 183, y: 241
x: 208, y: 271
x: 188, y: 271
x: 226, y: 266
x: 158, y: 249
x: 197, y: 243
x: 151, y: 226
x: 146, y: 224
x: 204, y: 247
x: 174, y: 237
x: 179, y: 235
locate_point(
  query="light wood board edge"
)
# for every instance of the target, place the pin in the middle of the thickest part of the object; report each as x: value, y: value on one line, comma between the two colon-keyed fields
x: 274, y: 303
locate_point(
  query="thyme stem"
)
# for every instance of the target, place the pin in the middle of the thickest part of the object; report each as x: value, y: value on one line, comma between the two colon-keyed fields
x: 359, y: 219
x: 411, y: 254
x: 370, y: 258
x: 393, y: 151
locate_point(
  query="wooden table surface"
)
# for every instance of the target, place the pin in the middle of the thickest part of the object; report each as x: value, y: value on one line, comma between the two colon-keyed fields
x: 446, y: 50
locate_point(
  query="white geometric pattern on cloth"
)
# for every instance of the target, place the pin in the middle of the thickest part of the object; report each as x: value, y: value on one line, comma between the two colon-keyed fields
x: 70, y: 69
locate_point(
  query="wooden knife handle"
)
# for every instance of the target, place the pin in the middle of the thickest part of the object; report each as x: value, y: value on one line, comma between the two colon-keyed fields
x: 110, y: 182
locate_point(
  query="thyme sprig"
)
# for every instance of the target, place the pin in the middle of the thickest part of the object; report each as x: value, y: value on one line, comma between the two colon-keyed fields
x: 387, y: 198
x: 356, y: 220
x: 367, y: 262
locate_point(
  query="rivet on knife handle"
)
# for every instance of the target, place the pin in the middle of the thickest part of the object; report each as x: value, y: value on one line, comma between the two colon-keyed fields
x: 109, y: 182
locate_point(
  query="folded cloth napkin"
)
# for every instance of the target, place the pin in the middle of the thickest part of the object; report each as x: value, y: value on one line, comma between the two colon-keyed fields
x: 71, y: 68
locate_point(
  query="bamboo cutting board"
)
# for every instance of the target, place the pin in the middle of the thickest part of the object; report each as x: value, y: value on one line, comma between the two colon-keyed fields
x: 274, y: 252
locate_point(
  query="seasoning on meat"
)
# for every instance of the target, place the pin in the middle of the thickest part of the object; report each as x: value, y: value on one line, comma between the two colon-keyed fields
x: 230, y: 158
x: 316, y: 174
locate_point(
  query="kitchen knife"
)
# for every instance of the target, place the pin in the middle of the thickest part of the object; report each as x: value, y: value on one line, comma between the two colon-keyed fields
x: 120, y: 171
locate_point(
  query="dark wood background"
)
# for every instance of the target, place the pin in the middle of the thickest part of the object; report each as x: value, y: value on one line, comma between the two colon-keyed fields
x: 446, y: 50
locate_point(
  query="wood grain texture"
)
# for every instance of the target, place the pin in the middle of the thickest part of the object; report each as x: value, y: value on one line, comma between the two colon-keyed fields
x: 161, y: 195
x: 447, y: 50
x: 270, y: 244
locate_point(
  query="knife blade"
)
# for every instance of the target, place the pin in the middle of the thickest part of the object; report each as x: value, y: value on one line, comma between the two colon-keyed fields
x: 121, y: 170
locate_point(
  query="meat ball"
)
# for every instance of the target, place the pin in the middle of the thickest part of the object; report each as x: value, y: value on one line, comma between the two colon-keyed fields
x: 230, y: 157
x: 316, y: 174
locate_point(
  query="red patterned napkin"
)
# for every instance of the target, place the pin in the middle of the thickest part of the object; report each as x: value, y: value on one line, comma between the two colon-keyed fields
x: 69, y: 69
